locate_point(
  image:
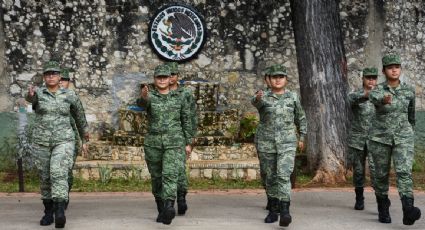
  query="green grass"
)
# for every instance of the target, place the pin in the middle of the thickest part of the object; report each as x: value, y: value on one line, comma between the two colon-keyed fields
x: 9, y: 183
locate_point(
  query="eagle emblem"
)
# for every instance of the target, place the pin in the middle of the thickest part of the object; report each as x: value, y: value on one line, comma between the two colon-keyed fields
x: 177, y: 32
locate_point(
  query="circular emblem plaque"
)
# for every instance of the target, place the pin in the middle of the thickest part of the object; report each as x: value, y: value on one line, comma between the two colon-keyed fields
x: 177, y: 32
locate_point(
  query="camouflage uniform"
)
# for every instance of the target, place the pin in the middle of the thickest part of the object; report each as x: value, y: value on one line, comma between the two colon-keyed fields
x: 392, y: 136
x: 169, y: 131
x: 363, y: 111
x: 54, y: 139
x: 276, y: 139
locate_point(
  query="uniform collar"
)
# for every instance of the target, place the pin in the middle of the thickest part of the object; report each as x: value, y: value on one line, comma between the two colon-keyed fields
x: 284, y: 95
x: 60, y: 91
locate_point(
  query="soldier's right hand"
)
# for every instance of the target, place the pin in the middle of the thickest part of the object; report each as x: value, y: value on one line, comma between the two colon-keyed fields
x: 258, y: 95
x: 144, y: 92
x: 366, y: 93
x: 387, y: 99
x: 31, y: 90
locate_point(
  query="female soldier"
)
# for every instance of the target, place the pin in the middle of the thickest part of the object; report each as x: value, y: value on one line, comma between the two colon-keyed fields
x: 392, y: 136
x: 54, y: 140
x: 276, y: 140
x: 363, y: 111
x: 169, y: 134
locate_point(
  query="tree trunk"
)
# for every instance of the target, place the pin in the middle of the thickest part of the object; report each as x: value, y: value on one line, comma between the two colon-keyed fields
x: 323, y: 84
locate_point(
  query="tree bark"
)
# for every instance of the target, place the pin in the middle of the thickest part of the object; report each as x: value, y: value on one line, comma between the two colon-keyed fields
x: 323, y: 85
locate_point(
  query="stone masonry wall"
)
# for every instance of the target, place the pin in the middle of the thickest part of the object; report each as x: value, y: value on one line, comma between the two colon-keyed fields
x: 105, y: 41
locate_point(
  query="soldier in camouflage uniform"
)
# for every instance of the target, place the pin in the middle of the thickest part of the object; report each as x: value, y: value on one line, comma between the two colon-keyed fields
x: 168, y: 136
x: 53, y: 140
x: 65, y: 83
x: 392, y: 136
x: 276, y: 141
x: 186, y: 93
x: 261, y: 113
x: 363, y: 111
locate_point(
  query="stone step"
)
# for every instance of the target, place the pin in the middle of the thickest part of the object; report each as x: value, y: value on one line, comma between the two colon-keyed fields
x: 104, y: 150
x: 229, y: 169
x: 128, y: 139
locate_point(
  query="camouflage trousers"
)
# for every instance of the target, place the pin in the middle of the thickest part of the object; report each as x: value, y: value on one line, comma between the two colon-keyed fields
x: 278, y: 167
x: 359, y: 164
x: 53, y: 164
x: 402, y: 155
x: 74, y: 157
x: 164, y: 165
x: 182, y: 181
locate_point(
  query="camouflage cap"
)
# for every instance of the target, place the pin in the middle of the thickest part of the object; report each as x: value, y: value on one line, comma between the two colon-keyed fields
x: 65, y: 74
x: 266, y: 71
x: 162, y: 70
x: 277, y: 69
x: 174, y: 67
x: 370, y: 71
x: 391, y: 59
x: 51, y: 66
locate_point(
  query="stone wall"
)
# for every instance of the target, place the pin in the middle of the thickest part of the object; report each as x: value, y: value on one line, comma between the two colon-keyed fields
x: 104, y: 43
x: 375, y: 27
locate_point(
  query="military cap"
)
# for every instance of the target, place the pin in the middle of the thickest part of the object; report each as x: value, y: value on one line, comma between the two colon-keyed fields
x: 51, y: 66
x: 162, y: 70
x: 266, y: 71
x: 174, y: 67
x: 65, y: 74
x: 370, y: 71
x: 277, y: 69
x: 391, y: 59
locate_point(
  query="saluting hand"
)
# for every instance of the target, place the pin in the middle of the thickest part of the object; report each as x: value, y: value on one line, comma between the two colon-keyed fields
x: 366, y: 93
x: 387, y: 99
x: 258, y: 95
x: 31, y: 90
x: 144, y: 93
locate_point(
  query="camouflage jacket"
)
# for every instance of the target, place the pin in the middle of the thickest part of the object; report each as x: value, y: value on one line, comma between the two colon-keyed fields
x: 169, y: 124
x: 363, y: 111
x: 54, y: 112
x: 282, y: 115
x: 189, y: 99
x: 393, y: 123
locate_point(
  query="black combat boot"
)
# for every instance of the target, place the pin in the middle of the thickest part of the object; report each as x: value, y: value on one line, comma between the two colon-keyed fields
x: 410, y: 212
x: 60, y: 218
x: 66, y: 204
x: 47, y: 219
x: 285, y: 217
x: 169, y: 212
x: 159, y: 207
x: 268, y: 203
x: 359, y: 198
x: 272, y: 216
x: 383, y: 209
x: 181, y: 203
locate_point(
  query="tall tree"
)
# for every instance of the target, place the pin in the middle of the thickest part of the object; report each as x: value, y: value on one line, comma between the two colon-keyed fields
x: 323, y: 83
